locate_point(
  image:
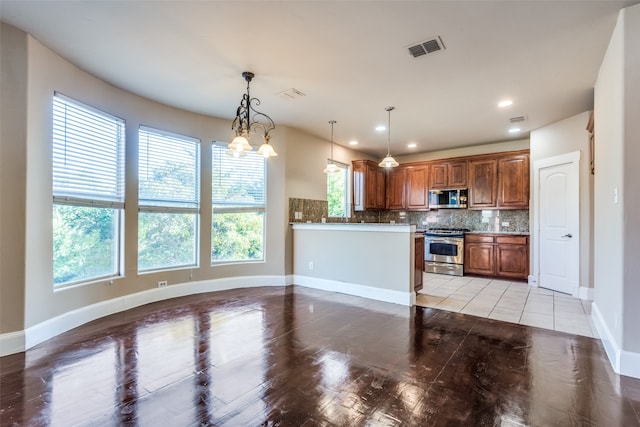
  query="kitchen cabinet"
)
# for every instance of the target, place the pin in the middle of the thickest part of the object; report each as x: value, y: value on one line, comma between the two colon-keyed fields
x: 368, y: 186
x: 499, y: 182
x: 497, y: 255
x: 513, y: 182
x: 395, y: 188
x: 417, y: 187
x: 483, y: 183
x: 450, y: 174
x: 419, y: 261
x: 406, y: 188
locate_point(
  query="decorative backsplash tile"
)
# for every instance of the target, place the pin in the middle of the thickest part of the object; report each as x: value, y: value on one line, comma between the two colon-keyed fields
x: 486, y: 220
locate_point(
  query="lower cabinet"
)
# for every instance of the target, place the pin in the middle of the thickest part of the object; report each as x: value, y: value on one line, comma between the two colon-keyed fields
x: 497, y: 255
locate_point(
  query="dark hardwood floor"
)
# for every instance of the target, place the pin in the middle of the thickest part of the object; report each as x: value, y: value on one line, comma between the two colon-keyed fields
x: 295, y: 356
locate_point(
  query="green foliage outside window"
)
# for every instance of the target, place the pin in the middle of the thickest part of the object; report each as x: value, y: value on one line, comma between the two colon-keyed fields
x: 336, y: 193
x: 83, y: 243
x: 166, y: 240
x: 237, y: 236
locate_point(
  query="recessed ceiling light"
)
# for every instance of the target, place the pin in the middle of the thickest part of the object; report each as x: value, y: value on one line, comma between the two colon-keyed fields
x: 514, y: 130
x: 380, y: 128
x: 505, y: 103
x: 412, y: 145
x: 354, y: 142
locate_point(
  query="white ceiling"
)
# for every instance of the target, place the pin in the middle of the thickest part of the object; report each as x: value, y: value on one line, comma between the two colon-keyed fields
x: 350, y: 58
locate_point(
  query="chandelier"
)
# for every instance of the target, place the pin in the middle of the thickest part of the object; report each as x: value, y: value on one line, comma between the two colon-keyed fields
x: 389, y: 161
x: 250, y: 121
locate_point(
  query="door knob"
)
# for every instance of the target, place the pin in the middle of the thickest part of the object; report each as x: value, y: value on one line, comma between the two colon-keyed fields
x: 569, y: 235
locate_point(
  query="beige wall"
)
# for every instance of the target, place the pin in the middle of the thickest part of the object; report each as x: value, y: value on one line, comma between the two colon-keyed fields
x: 617, y: 230
x: 13, y: 162
x: 47, y: 72
x: 567, y: 136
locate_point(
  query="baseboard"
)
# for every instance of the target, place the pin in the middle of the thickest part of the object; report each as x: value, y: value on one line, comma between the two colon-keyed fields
x: 16, y: 342
x: 386, y: 295
x: 623, y: 362
x: 11, y: 343
x: 533, y: 281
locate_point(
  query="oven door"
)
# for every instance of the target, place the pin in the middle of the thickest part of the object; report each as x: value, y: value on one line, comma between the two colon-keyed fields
x: 443, y: 249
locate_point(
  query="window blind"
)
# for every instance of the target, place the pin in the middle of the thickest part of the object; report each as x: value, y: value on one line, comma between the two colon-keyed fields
x: 88, y: 155
x: 237, y: 183
x: 168, y: 171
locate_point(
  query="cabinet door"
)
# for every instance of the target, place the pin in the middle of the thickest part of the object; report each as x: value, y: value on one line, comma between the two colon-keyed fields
x: 379, y: 191
x: 512, y: 261
x: 417, y: 188
x: 439, y: 175
x: 482, y: 183
x: 513, y: 182
x: 457, y: 175
x: 359, y: 169
x: 395, y: 188
x: 479, y: 258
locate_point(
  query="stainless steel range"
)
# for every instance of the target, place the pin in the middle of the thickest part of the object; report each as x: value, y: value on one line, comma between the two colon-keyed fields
x: 444, y: 250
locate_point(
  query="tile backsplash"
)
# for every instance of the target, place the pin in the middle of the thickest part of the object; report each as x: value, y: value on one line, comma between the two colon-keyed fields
x: 481, y: 220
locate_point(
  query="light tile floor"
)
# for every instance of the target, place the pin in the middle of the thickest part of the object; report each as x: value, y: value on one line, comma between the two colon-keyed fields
x: 514, y: 302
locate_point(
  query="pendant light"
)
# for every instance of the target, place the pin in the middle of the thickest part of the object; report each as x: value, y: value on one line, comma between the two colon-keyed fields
x: 389, y: 161
x: 331, y: 167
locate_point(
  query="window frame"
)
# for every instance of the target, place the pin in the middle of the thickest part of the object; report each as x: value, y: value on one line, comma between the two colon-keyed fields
x: 238, y: 207
x: 65, y: 188
x: 172, y: 207
x: 345, y: 169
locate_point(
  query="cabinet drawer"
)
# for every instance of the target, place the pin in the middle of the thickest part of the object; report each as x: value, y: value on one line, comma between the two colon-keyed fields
x: 478, y: 238
x: 514, y: 240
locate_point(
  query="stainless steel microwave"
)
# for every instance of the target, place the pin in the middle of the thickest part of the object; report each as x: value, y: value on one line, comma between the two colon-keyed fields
x: 448, y: 199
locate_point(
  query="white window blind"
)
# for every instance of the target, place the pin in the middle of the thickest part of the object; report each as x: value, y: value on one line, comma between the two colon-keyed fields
x: 88, y: 155
x: 238, y: 183
x: 168, y: 171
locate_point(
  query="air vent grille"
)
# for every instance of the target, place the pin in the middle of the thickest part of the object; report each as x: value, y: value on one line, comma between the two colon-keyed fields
x: 426, y: 47
x: 518, y: 119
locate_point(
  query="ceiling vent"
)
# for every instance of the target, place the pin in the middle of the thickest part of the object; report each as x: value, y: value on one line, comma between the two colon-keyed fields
x: 290, y: 94
x: 518, y: 119
x: 426, y: 47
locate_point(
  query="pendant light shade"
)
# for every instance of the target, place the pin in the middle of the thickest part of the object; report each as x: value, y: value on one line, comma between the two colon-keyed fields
x: 389, y: 161
x: 331, y: 167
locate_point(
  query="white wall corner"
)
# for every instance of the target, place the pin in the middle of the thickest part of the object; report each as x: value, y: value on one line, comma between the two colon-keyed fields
x: 11, y: 343
x: 586, y: 294
x: 533, y: 280
x: 288, y: 279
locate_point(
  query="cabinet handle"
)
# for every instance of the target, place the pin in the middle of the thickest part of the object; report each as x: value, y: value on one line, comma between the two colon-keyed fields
x: 569, y: 235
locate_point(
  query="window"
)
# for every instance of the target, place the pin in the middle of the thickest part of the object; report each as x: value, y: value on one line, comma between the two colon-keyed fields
x: 88, y: 192
x: 238, y: 186
x: 337, y: 191
x: 169, y: 200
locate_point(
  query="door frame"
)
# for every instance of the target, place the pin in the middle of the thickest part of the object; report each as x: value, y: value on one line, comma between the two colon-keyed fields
x: 572, y: 158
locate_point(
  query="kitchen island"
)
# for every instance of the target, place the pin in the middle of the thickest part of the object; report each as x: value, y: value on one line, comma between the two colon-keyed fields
x: 373, y: 261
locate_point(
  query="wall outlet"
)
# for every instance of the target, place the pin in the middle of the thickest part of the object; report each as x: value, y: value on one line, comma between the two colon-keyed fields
x: 505, y: 223
x: 297, y: 215
x: 162, y: 283
x: 311, y: 265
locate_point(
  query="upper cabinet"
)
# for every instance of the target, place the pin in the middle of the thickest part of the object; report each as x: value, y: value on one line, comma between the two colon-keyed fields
x: 483, y: 183
x: 450, y: 174
x: 495, y: 181
x: 513, y: 182
x: 368, y: 186
x: 407, y: 187
x: 499, y: 181
x: 395, y: 188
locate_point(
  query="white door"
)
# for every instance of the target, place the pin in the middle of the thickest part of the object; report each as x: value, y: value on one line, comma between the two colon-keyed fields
x: 559, y: 218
